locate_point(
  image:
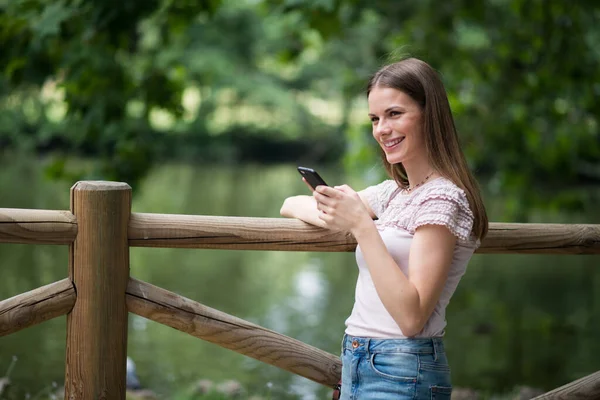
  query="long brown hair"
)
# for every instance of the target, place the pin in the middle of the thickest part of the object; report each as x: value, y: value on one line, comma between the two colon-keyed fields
x: 422, y: 83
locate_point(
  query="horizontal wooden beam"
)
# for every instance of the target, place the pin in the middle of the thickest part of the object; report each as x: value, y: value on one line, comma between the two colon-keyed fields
x: 37, y: 226
x: 587, y: 387
x: 238, y: 233
x: 232, y: 333
x: 280, y: 234
x: 36, y: 306
x: 513, y: 238
x: 243, y: 233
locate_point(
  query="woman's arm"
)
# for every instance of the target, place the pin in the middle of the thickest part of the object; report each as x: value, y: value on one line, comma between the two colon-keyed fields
x: 411, y: 299
x: 305, y: 208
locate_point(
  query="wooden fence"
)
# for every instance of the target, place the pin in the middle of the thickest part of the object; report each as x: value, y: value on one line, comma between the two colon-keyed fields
x: 99, y: 292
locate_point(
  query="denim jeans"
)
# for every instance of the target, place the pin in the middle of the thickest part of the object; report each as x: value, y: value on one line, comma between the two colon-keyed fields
x: 386, y: 369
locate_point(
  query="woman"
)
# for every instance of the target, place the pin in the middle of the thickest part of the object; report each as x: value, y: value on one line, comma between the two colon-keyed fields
x: 430, y: 218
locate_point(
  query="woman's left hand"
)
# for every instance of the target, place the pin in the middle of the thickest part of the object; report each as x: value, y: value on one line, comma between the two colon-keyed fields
x: 340, y: 207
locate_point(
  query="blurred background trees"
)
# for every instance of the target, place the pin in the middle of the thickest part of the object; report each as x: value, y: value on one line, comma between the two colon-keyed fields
x: 134, y: 82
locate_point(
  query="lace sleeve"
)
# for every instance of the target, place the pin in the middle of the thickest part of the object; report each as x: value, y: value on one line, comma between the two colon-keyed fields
x: 447, y: 206
x: 378, y: 196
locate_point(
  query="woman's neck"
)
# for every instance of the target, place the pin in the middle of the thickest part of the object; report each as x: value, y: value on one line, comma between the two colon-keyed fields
x: 419, y: 170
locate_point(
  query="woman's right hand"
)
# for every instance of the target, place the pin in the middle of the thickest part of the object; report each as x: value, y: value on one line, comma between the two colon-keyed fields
x: 305, y: 208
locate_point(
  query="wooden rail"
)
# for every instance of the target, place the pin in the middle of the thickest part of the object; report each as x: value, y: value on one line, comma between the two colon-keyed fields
x: 208, y: 232
x: 232, y: 333
x: 278, y: 234
x: 39, y: 305
x: 587, y: 387
x: 37, y: 226
x: 99, y: 293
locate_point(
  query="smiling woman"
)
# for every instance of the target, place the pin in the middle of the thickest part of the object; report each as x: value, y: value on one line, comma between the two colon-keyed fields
x: 429, y: 220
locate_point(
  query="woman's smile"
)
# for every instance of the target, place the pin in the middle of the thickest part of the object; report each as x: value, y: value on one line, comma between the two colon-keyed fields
x: 392, y: 144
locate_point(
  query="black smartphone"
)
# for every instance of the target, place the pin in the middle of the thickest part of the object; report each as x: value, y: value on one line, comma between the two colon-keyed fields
x: 312, y: 177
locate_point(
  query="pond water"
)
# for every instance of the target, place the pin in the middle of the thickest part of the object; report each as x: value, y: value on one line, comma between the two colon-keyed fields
x: 514, y: 320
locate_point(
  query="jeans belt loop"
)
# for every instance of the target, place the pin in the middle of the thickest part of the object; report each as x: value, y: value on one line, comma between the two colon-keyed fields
x: 435, y: 348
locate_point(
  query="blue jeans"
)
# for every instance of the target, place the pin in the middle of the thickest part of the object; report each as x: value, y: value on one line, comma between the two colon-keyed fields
x: 386, y: 369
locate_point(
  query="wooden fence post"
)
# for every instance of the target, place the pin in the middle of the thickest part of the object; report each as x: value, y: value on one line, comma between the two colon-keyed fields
x: 99, y: 268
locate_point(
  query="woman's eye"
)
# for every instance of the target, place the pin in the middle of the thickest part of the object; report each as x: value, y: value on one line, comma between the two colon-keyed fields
x: 395, y: 113
x: 374, y: 119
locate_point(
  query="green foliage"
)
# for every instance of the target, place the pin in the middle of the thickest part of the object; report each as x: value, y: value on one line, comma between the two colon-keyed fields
x: 137, y: 81
x: 522, y: 78
x: 123, y: 74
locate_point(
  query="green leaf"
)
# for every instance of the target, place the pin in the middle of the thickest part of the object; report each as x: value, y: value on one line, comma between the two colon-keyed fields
x: 51, y: 18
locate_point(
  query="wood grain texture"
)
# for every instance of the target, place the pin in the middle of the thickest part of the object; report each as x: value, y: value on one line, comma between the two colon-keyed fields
x: 99, y: 267
x: 37, y: 226
x: 586, y: 388
x: 232, y: 333
x: 542, y: 239
x: 213, y: 232
x: 36, y: 306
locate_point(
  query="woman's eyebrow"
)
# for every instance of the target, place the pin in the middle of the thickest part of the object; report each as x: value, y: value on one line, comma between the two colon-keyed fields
x: 386, y: 110
x: 392, y: 107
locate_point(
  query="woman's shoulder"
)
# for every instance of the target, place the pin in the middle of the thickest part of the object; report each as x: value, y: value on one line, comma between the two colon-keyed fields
x: 442, y: 202
x: 381, y: 191
x: 441, y: 189
x: 379, y: 195
x: 386, y: 185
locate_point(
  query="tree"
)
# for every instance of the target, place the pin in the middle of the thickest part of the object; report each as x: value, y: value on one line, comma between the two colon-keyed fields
x: 121, y: 76
x: 522, y: 81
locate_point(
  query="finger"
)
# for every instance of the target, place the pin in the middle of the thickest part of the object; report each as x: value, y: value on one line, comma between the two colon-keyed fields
x: 320, y: 207
x: 326, y: 218
x: 342, y: 189
x: 345, y: 188
x: 322, y: 224
x: 326, y: 209
x: 327, y: 191
x: 321, y: 198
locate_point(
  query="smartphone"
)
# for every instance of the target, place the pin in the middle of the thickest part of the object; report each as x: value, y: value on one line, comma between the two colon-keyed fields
x: 312, y: 177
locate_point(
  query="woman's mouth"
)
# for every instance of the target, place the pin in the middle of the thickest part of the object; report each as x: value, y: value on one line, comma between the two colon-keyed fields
x: 390, y: 144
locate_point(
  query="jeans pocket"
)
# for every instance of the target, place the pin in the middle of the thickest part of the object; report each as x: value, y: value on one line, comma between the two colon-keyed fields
x: 441, y: 392
x: 401, y: 367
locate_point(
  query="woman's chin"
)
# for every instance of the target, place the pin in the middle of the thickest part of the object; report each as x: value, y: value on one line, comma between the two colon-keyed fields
x: 393, y: 158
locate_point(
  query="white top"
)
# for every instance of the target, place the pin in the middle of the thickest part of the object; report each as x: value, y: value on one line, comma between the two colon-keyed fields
x: 438, y: 202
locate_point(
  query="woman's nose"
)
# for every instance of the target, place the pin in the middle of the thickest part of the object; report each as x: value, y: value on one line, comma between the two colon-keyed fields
x: 382, y: 127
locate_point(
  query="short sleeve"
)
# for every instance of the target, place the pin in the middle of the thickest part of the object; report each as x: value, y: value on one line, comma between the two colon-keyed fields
x: 378, y: 196
x: 447, y: 206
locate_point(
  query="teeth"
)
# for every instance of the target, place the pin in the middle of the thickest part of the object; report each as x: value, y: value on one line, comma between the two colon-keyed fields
x: 393, y: 142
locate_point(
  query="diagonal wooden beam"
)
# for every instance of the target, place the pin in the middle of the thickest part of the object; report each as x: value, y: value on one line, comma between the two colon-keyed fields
x: 232, y: 333
x: 36, y: 306
x: 587, y: 387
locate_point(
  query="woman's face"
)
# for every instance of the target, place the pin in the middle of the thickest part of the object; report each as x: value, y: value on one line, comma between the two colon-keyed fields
x: 397, y: 124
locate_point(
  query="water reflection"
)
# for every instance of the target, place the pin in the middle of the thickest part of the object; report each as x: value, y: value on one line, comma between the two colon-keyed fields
x: 514, y: 320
